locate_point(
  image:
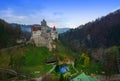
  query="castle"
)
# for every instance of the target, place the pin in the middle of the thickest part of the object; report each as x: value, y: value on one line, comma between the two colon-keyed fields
x: 44, y: 36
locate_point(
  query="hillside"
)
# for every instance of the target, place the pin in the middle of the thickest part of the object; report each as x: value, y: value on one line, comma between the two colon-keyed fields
x: 8, y: 34
x: 30, y: 59
x: 103, y: 32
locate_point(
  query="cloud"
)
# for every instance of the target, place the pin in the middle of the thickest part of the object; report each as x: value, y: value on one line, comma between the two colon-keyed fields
x: 8, y: 12
x: 52, y: 17
x: 10, y: 16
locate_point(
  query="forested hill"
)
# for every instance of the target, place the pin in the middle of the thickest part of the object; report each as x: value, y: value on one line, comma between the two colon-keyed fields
x: 103, y: 32
x: 8, y: 34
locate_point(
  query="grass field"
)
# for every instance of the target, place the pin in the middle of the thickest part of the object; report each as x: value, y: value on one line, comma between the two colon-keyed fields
x: 31, y: 59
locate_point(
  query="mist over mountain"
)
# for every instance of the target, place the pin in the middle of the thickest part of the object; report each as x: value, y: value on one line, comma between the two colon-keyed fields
x: 28, y: 28
x: 103, y: 32
x: 62, y: 30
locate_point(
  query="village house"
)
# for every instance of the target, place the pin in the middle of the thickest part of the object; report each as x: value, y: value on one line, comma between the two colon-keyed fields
x: 44, y: 36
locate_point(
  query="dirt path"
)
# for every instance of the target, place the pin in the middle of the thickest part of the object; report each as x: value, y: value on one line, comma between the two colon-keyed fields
x: 40, y: 78
x: 51, y: 69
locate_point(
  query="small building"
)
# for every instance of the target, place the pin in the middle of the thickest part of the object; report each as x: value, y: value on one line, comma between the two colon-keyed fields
x: 51, y: 60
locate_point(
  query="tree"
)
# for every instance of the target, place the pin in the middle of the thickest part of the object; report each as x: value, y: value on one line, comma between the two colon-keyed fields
x: 17, y: 60
x: 86, y: 59
x: 67, y: 76
x: 57, y: 68
x: 103, y: 32
x: 109, y: 64
x: 61, y: 77
x: 75, y: 62
x: 47, y: 77
x: 9, y: 34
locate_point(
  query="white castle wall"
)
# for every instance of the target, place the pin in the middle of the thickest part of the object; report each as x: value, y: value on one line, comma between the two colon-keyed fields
x: 44, y: 37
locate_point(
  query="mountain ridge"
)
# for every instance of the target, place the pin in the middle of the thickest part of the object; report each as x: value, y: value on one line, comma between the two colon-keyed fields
x: 103, y: 32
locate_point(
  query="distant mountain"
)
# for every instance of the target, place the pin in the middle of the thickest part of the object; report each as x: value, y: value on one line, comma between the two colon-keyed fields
x: 23, y: 27
x: 103, y: 32
x: 62, y: 30
x: 28, y: 28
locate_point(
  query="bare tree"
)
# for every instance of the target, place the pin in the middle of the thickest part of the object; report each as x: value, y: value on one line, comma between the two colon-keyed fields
x: 47, y: 77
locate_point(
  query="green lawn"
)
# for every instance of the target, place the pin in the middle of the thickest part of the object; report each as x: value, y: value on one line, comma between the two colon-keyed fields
x: 34, y: 59
x: 63, y: 51
x: 31, y: 59
x: 36, y: 55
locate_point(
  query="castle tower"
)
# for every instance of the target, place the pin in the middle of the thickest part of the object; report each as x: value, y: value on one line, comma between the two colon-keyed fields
x: 54, y: 29
x: 54, y: 33
x: 43, y: 23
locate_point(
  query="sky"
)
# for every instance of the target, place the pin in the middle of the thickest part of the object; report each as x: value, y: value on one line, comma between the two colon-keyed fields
x: 61, y: 13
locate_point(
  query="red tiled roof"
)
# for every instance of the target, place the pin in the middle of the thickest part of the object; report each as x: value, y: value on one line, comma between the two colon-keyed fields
x: 35, y: 28
x: 54, y: 29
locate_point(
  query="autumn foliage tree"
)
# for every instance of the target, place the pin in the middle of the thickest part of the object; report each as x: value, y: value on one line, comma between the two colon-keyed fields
x: 86, y: 59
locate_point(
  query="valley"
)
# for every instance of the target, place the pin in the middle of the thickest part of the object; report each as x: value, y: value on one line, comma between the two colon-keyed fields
x: 90, y: 52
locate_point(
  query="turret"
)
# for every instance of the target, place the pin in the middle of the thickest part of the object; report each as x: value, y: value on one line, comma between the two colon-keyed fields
x: 54, y: 29
x: 43, y: 23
